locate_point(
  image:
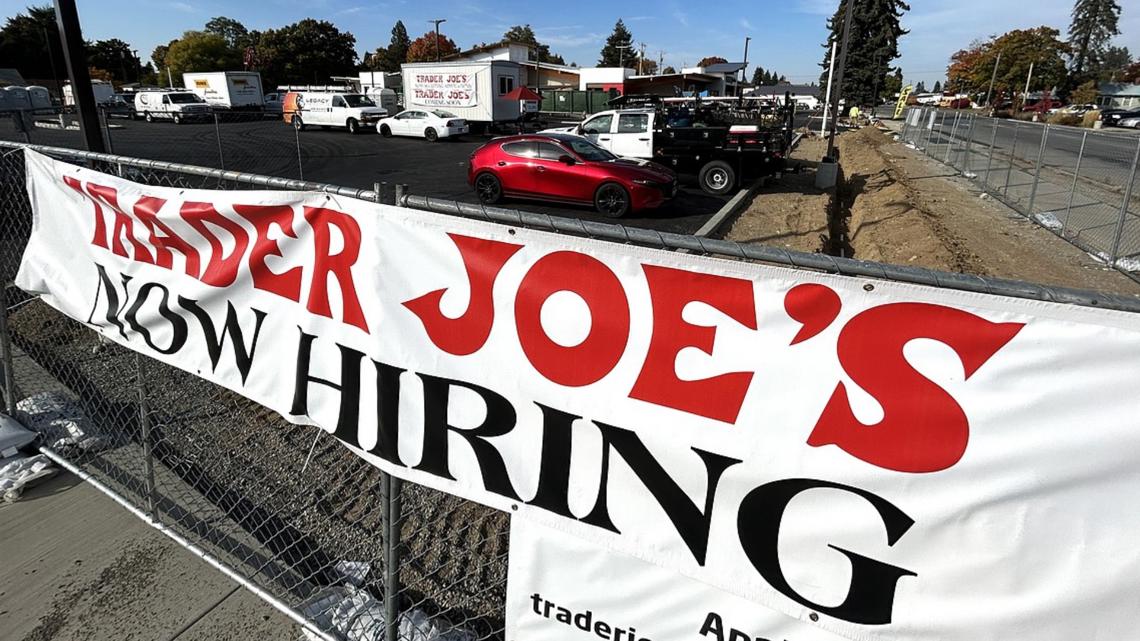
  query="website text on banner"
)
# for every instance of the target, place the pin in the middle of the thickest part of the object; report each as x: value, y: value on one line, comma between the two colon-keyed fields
x: 561, y: 587
x: 898, y: 462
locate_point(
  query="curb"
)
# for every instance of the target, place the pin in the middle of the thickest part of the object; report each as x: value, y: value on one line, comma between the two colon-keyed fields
x: 731, y: 208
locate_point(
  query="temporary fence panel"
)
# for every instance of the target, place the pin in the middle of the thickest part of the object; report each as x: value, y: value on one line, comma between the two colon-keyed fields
x: 1077, y: 183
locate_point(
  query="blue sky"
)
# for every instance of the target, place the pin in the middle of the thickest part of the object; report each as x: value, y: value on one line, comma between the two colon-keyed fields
x: 786, y: 34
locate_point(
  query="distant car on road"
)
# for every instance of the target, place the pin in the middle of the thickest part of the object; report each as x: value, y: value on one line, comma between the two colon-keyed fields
x: 430, y: 124
x: 122, y: 105
x: 568, y: 168
x: 274, y: 103
x: 1131, y: 122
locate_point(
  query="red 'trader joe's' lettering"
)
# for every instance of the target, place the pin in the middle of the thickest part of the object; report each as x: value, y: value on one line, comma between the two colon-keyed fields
x: 923, y: 427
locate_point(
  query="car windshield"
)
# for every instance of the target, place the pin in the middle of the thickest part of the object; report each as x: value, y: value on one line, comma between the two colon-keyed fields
x: 184, y: 98
x: 357, y: 100
x: 445, y: 114
x: 589, y: 151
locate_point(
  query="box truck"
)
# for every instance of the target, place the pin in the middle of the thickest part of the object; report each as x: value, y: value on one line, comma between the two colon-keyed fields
x: 104, y: 93
x: 233, y: 90
x: 473, y: 91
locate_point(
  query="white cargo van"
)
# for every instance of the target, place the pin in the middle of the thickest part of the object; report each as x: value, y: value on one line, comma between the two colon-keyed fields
x: 178, y: 106
x: 353, y: 111
x: 234, y: 90
x: 473, y: 91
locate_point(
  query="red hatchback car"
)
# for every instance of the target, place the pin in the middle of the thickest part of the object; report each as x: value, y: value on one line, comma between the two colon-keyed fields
x: 567, y: 168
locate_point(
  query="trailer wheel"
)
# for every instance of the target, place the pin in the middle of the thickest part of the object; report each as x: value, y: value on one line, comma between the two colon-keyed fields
x: 717, y: 178
x: 148, y: 117
x: 353, y: 126
x: 431, y: 135
x: 385, y: 131
x: 298, y: 124
x: 611, y: 200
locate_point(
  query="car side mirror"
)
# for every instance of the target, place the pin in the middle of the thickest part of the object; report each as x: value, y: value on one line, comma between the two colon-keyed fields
x: 566, y: 160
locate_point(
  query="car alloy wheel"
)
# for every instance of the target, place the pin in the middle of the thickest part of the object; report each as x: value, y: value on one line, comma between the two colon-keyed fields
x: 488, y: 188
x: 353, y: 127
x: 148, y: 117
x: 611, y: 200
x: 385, y: 131
x: 177, y: 119
x: 431, y: 134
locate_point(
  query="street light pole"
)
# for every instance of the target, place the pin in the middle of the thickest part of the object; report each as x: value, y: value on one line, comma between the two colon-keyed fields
x: 993, y: 77
x: 850, y: 12
x: 436, y: 22
x: 744, y: 69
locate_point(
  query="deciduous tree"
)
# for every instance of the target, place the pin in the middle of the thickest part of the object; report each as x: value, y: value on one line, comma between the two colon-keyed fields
x: 116, y: 57
x: 970, y: 69
x: 424, y: 48
x: 1085, y: 94
x: 711, y: 60
x: 25, y: 40
x: 200, y: 51
x: 309, y: 51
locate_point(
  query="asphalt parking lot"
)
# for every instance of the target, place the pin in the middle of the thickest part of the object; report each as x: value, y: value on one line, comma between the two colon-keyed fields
x: 270, y: 147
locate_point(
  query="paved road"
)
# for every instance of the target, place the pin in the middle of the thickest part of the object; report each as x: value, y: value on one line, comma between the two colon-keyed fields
x: 271, y: 147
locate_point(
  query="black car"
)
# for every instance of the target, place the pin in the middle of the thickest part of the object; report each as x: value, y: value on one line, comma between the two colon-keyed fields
x: 122, y: 105
x: 1112, y: 117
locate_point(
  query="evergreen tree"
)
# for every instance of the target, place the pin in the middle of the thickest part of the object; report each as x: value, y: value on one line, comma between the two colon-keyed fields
x: 397, y: 52
x: 618, y: 49
x: 1094, y: 24
x: 758, y: 76
x: 921, y: 87
x: 937, y: 86
x: 874, y: 44
x: 783, y: 80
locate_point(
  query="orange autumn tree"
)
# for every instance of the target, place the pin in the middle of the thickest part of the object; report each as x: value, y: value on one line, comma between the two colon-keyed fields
x: 423, y: 49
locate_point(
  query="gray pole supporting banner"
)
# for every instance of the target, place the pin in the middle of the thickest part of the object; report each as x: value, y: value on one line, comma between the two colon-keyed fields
x: 9, y: 372
x: 1124, y: 206
x: 848, y: 14
x: 1037, y: 169
x: 953, y: 133
x: 1073, y: 187
x: 144, y: 425
x: 75, y: 56
x: 990, y: 159
x: 968, y: 151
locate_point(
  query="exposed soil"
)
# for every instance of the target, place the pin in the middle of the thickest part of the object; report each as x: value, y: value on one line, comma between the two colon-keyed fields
x: 907, y: 209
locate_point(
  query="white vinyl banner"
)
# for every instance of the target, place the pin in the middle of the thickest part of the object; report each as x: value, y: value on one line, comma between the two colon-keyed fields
x: 881, y: 460
x: 431, y: 89
x: 561, y: 588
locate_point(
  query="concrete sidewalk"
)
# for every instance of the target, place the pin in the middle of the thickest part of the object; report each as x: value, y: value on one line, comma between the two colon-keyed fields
x: 74, y: 565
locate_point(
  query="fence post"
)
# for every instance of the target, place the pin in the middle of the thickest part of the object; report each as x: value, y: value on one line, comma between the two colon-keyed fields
x: 990, y: 159
x: 401, y: 193
x: 218, y: 135
x: 906, y: 125
x: 1124, y: 206
x: 1037, y: 169
x: 953, y: 132
x: 393, y: 488
x: 969, y: 144
x: 300, y: 168
x: 9, y: 372
x: 107, y: 130
x: 1073, y: 187
x: 144, y: 424
x: 1012, y: 152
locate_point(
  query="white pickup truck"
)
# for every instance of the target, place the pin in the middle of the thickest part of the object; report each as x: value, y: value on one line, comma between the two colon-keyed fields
x: 697, y: 142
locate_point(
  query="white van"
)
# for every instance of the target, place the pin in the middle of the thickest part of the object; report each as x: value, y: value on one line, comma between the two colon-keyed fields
x: 179, y: 106
x: 353, y: 111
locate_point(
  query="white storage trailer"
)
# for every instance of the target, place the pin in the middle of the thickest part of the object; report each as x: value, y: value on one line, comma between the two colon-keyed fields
x: 103, y: 91
x: 474, y: 91
x: 236, y: 90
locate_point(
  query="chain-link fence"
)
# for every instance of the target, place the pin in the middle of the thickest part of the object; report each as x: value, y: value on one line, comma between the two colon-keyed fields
x: 1075, y: 182
x: 343, y: 548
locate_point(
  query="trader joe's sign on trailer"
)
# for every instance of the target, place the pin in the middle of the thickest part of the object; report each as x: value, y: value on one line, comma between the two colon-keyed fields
x: 431, y: 89
x: 879, y: 460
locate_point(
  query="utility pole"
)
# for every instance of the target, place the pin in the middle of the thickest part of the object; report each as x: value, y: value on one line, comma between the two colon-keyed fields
x: 640, y: 69
x: 436, y: 22
x: 827, y: 97
x: 1025, y: 94
x: 744, y: 69
x: 660, y: 62
x: 993, y: 77
x: 74, y: 57
x: 849, y: 13
x: 621, y: 54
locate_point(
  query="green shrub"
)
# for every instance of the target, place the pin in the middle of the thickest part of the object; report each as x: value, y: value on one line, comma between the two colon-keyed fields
x: 1071, y: 120
x: 1089, y: 118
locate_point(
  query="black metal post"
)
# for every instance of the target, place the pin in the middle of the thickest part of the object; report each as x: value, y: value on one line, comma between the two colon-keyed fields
x: 67, y: 18
x: 838, y: 90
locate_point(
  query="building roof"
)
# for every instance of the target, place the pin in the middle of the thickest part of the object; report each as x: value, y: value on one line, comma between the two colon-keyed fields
x: 1119, y: 89
x: 725, y: 67
x: 551, y: 66
x: 11, y: 77
x: 484, y: 48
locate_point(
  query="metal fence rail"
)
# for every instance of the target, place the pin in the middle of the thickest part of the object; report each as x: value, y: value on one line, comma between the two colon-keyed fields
x: 1077, y: 183
x: 306, y: 524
